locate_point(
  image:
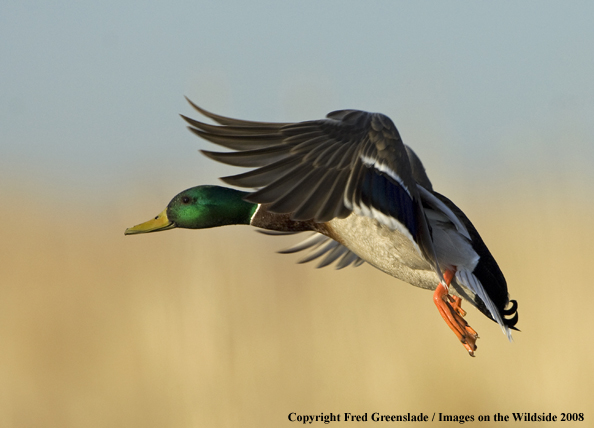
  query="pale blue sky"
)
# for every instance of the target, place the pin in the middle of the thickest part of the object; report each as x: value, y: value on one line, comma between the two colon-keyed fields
x: 483, y: 91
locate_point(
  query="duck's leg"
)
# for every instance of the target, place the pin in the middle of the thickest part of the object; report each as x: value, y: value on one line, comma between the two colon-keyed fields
x: 452, y: 314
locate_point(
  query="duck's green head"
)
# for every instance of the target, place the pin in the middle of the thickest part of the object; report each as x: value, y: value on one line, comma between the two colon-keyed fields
x: 199, y: 208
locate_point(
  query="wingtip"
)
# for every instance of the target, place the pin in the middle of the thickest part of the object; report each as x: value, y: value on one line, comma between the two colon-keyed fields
x: 186, y: 118
x: 192, y: 104
x: 208, y: 154
x: 232, y: 180
x: 203, y: 112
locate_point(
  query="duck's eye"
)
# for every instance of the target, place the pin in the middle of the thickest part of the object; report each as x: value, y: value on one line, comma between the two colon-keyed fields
x: 185, y: 200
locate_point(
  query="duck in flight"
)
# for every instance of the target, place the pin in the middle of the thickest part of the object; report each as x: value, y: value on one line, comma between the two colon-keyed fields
x: 363, y: 193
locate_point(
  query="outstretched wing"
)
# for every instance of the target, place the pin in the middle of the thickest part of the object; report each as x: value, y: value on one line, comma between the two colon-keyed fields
x: 317, y: 245
x: 351, y: 161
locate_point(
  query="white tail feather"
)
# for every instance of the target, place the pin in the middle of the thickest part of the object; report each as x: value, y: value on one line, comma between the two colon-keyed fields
x: 471, y: 282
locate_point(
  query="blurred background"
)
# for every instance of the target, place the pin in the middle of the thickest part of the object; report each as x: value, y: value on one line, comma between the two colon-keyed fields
x: 211, y: 328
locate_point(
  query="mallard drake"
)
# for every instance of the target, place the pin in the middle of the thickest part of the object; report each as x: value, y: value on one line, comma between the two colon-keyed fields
x: 351, y: 180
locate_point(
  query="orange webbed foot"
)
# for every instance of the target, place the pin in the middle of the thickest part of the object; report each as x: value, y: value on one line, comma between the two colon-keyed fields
x: 456, y: 303
x: 450, y: 309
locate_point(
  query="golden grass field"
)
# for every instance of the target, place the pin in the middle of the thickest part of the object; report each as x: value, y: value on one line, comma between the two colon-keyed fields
x: 211, y: 328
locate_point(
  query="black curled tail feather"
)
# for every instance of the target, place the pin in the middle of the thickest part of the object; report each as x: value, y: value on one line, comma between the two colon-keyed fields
x: 510, y: 315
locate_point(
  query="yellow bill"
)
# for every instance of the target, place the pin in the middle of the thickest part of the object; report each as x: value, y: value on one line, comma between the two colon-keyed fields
x: 161, y: 222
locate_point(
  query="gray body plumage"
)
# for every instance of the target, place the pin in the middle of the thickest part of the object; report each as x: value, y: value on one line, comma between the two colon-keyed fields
x: 388, y: 250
